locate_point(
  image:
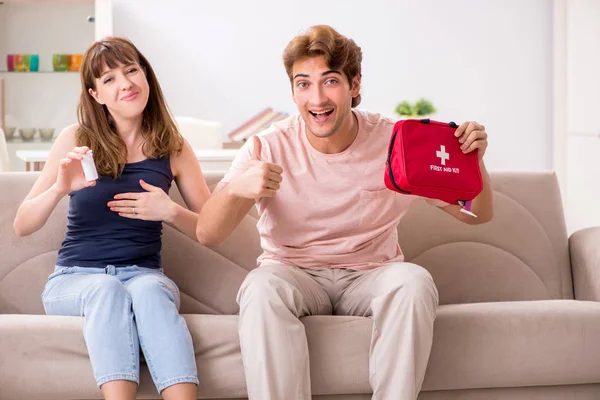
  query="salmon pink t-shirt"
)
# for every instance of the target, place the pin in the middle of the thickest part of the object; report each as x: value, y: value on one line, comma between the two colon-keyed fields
x: 332, y: 210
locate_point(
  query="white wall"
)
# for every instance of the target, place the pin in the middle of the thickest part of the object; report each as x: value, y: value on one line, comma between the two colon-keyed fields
x: 583, y: 62
x: 583, y: 103
x: 489, y: 60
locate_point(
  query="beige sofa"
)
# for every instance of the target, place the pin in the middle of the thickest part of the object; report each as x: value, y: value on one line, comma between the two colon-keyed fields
x: 508, y: 326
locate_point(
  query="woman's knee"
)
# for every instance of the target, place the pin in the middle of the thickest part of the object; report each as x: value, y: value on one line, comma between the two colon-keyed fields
x: 150, y: 288
x: 107, y: 287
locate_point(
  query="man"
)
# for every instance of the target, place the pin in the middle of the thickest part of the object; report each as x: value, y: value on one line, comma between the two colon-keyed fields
x: 328, y: 229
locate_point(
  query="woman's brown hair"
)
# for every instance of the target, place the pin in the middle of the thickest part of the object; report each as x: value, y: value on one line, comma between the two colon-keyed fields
x: 340, y: 52
x: 96, y: 126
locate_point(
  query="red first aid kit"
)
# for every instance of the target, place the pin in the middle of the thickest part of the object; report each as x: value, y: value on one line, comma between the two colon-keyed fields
x: 425, y: 159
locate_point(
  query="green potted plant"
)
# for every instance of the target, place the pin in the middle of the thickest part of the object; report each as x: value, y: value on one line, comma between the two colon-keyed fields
x: 420, y: 109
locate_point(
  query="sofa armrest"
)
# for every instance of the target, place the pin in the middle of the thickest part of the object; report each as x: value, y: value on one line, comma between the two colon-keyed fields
x: 584, y: 246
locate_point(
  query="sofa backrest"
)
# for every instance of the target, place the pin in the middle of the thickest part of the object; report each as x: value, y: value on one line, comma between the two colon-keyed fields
x: 521, y: 255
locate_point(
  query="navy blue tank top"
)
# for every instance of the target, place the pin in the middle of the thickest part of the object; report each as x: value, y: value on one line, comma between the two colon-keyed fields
x: 97, y: 236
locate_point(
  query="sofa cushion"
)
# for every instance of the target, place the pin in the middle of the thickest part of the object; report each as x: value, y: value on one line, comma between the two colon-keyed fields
x: 514, y: 344
x: 484, y: 345
x: 554, y: 392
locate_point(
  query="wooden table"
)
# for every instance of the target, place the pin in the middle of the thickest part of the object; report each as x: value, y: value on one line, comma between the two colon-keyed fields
x: 210, y: 160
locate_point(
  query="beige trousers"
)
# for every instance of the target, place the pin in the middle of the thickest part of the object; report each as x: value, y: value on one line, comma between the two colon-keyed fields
x: 400, y: 297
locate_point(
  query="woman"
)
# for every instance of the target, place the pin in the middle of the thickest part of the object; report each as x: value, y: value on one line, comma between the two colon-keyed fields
x: 109, y: 267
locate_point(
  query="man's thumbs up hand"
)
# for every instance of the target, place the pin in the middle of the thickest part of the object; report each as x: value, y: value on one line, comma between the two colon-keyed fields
x: 260, y: 179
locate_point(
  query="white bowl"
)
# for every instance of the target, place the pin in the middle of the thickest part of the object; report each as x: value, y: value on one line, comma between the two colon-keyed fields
x: 9, y: 132
x: 27, y: 134
x: 46, y: 134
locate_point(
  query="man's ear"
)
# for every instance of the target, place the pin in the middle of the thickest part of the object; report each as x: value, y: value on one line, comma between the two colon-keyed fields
x: 293, y: 93
x: 95, y: 96
x: 355, y: 88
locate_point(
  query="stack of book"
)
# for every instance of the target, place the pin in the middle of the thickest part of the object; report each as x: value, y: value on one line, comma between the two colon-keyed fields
x: 256, y: 124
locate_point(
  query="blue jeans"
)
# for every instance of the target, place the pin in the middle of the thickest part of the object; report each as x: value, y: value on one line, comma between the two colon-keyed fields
x: 124, y: 308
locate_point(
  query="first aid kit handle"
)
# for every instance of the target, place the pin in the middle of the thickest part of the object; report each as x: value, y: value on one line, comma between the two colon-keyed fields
x: 451, y: 124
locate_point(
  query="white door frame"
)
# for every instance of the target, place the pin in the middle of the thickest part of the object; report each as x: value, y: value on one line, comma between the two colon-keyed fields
x: 559, y: 95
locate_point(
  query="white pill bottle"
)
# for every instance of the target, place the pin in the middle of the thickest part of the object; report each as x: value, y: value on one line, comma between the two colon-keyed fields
x: 89, y: 168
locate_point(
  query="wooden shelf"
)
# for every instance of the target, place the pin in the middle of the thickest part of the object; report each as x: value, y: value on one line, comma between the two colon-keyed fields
x: 19, y: 142
x: 38, y: 72
x: 45, y: 1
